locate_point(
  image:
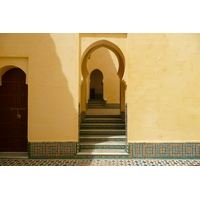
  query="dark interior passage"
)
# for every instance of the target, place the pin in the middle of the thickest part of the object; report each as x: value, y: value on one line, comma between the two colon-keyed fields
x: 96, y: 85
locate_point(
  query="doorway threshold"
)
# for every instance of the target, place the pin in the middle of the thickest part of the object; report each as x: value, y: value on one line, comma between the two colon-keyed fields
x: 13, y: 154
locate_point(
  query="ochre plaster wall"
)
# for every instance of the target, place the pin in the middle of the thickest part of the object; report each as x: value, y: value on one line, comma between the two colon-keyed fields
x: 161, y: 72
x: 52, y: 82
x: 163, y: 92
x: 106, y: 61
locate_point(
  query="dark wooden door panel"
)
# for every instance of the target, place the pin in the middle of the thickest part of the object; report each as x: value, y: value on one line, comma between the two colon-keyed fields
x: 13, y: 112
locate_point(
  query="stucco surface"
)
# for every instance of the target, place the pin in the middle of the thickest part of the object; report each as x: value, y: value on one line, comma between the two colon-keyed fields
x: 161, y: 72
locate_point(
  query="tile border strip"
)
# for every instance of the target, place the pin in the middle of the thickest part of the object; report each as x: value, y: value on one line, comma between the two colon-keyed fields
x: 166, y: 150
x: 67, y: 150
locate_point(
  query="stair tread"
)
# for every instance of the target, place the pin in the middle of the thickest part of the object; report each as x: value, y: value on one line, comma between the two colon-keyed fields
x: 102, y: 130
x: 104, y: 143
x: 106, y: 118
x: 13, y: 155
x: 102, y: 152
x: 102, y: 124
x: 103, y: 136
x: 103, y: 116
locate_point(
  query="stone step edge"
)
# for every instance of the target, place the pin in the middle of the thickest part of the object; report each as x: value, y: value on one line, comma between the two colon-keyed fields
x: 14, y: 155
x: 99, y: 133
x: 103, y: 153
x: 106, y: 143
x: 103, y: 124
x: 110, y: 130
x: 120, y: 122
x: 102, y: 116
x: 103, y: 136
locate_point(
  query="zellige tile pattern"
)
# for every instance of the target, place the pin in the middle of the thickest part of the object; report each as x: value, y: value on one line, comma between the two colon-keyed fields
x: 97, y: 162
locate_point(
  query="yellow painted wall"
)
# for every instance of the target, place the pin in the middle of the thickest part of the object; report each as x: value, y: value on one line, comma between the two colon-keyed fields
x: 161, y: 72
x: 53, y: 61
x: 163, y: 91
x: 106, y: 61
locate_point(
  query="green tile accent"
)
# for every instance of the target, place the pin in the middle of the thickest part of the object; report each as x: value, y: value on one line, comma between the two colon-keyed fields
x: 165, y: 150
x: 51, y: 149
x: 67, y: 150
x: 162, y: 150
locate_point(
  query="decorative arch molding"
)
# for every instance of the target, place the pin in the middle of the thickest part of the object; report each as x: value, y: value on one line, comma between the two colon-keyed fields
x: 109, y: 45
x: 84, y: 72
x: 7, y: 63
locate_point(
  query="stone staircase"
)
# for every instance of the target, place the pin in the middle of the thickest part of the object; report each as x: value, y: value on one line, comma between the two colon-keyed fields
x: 102, y: 135
x: 96, y: 103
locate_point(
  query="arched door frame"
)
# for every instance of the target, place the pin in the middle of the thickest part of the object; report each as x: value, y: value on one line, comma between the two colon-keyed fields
x: 84, y: 71
x: 4, y: 70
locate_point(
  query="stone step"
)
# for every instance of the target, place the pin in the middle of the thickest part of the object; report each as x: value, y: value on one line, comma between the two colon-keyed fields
x: 14, y: 155
x: 102, y: 138
x: 102, y: 152
x: 102, y: 120
x: 96, y: 105
x: 103, y: 116
x: 103, y: 145
x: 102, y: 132
x: 95, y: 100
x: 102, y: 126
x: 91, y: 102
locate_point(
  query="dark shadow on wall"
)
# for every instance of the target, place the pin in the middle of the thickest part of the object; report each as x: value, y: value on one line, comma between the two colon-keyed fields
x: 55, y: 101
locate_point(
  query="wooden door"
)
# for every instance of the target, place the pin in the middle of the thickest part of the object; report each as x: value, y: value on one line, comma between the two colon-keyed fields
x: 13, y: 111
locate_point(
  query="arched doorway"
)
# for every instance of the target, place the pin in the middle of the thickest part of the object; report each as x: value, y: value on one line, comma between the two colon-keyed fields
x: 84, y: 72
x: 96, y: 85
x: 13, y: 111
x: 98, y: 126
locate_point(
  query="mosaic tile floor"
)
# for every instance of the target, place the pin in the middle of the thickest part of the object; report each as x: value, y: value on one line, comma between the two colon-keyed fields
x: 97, y: 162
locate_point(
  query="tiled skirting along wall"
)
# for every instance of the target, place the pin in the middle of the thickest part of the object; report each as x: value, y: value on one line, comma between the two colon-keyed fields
x: 136, y: 150
x: 166, y: 150
x: 52, y: 149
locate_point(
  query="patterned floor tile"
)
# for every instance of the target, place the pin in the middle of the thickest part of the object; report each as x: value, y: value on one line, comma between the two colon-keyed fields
x: 97, y: 162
